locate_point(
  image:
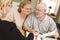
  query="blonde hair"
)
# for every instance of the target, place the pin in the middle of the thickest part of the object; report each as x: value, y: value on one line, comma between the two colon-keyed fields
x: 0, y: 3
x: 5, y: 2
x: 22, y: 4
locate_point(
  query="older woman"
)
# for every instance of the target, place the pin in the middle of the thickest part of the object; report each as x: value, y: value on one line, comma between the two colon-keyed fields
x: 18, y: 15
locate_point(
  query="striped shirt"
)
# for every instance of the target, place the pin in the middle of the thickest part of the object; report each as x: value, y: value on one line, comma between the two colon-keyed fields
x: 44, y: 26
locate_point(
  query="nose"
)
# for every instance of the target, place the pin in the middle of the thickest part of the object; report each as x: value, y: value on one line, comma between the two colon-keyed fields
x: 28, y: 10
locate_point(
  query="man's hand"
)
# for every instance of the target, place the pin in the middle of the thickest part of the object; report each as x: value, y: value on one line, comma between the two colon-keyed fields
x: 56, y: 35
x: 36, y: 33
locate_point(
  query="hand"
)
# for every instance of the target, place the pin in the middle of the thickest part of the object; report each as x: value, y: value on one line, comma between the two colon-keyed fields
x: 36, y: 33
x: 56, y: 35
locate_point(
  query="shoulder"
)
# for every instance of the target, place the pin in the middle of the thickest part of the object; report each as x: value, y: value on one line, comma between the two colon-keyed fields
x: 6, y: 25
x: 49, y: 17
x: 7, y: 22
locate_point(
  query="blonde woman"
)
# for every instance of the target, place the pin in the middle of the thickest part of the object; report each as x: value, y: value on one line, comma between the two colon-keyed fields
x: 8, y: 28
x: 18, y: 16
x: 5, y: 6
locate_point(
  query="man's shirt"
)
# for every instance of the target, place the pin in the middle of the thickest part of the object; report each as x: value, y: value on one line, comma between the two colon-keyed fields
x: 42, y: 26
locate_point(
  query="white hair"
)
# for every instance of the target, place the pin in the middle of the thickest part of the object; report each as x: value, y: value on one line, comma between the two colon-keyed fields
x: 42, y: 5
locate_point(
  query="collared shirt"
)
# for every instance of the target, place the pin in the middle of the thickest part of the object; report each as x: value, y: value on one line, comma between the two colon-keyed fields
x: 44, y: 26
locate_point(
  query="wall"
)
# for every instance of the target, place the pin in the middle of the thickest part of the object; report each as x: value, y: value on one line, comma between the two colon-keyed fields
x: 58, y: 16
x: 57, y: 6
x: 17, y: 0
x: 33, y: 3
x: 57, y: 11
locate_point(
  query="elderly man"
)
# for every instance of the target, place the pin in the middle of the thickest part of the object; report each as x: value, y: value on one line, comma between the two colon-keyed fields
x: 41, y: 23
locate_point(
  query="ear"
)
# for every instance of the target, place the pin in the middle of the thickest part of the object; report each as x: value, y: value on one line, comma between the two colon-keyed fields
x: 21, y: 8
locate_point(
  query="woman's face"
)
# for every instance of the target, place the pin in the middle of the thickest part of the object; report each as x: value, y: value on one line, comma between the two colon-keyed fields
x: 26, y: 9
x: 1, y: 13
x: 5, y: 9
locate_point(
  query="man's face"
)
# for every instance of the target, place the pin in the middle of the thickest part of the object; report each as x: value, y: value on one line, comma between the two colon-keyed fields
x: 40, y: 10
